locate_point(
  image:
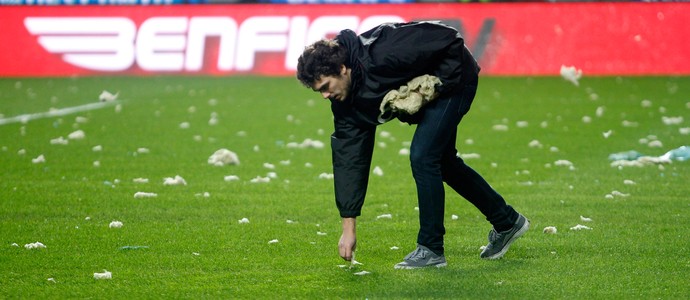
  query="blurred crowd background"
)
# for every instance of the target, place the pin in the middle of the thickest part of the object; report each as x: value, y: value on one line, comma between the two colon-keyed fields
x: 173, y: 2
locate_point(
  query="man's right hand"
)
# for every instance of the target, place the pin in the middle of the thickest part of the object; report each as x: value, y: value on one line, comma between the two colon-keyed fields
x: 348, y: 240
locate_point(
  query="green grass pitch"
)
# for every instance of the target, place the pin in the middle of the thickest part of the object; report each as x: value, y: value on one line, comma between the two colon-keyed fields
x: 516, y: 131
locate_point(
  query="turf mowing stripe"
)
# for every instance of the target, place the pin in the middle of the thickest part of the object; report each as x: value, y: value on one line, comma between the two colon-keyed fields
x: 57, y: 113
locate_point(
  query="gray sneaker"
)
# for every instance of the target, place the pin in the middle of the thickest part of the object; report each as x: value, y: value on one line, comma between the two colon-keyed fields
x: 420, y: 258
x: 499, y: 242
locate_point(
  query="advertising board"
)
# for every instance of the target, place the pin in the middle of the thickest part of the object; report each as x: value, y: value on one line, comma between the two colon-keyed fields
x: 507, y: 38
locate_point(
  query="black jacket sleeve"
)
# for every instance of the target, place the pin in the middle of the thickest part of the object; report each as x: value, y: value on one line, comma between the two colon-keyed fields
x: 352, y: 148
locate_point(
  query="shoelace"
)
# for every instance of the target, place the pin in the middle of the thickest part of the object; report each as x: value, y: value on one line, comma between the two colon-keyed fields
x: 494, y: 235
x: 417, y: 254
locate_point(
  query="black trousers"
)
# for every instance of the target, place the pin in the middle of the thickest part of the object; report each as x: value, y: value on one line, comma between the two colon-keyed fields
x: 434, y: 160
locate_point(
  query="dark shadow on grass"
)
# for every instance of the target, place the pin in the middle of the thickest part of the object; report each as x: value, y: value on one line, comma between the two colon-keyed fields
x: 457, y: 281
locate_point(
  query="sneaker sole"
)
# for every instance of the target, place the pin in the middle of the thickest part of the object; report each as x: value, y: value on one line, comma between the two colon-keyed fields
x: 438, y: 266
x: 518, y: 234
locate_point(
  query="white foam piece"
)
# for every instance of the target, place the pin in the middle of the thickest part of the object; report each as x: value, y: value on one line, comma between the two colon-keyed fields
x: 470, y: 156
x: 384, y: 216
x: 535, y: 144
x: 104, y: 275
x: 231, y: 178
x: 326, y: 176
x: 259, y: 179
x: 580, y: 227
x: 77, y: 135
x: 378, y: 171
x: 672, y: 120
x: 223, y: 157
x: 571, y: 74
x: 563, y: 163
x: 140, y: 180
x: 145, y: 195
x: 607, y: 134
x: 585, y: 219
x: 500, y: 127
x: 36, y: 245
x: 39, y: 159
x: 115, y: 224
x: 177, y: 180
x: 106, y: 96
x: 550, y: 230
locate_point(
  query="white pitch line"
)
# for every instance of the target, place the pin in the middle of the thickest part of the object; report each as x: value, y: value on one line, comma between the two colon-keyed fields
x: 56, y: 113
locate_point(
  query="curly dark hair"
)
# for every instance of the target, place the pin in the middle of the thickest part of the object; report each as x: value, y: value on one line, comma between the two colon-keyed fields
x: 322, y: 58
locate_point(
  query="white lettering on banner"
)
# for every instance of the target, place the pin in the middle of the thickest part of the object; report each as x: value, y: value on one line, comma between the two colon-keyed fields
x: 161, y: 43
x: 296, y: 41
x: 260, y: 34
x: 171, y: 44
x: 199, y: 30
x: 100, y: 44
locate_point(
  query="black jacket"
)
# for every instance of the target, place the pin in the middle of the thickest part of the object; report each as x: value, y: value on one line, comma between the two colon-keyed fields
x: 382, y: 59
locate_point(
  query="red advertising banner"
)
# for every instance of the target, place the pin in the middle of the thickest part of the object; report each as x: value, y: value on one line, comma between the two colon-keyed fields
x: 507, y: 38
